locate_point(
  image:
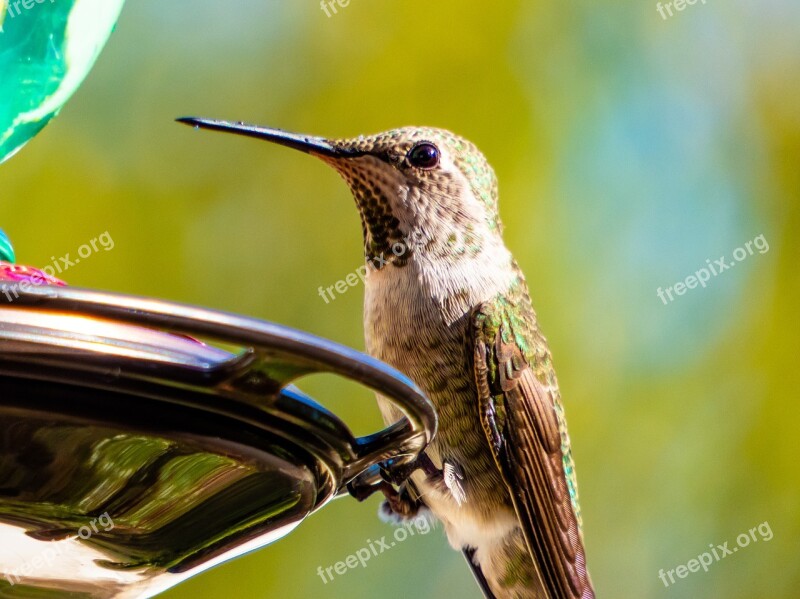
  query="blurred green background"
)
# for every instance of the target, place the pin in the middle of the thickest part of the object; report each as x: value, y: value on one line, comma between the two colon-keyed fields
x: 629, y: 149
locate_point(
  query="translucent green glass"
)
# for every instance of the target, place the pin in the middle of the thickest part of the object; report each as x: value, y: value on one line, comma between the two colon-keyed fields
x: 47, y: 47
x: 6, y: 251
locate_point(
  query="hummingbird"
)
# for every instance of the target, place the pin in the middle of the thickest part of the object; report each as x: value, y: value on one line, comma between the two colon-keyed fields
x: 446, y: 303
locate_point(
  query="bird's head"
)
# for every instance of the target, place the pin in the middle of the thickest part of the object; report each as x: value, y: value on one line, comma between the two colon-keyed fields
x: 420, y: 191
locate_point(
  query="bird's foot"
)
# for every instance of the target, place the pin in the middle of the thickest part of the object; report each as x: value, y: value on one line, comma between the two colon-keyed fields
x: 399, y: 505
x: 396, y: 475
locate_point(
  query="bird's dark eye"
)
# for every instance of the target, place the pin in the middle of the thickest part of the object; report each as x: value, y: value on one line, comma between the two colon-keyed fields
x: 423, y: 155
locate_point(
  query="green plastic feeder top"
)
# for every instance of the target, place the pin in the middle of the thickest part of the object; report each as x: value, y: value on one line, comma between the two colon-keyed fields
x: 46, y: 51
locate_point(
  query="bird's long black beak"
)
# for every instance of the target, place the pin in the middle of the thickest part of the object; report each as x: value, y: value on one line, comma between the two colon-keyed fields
x: 304, y: 143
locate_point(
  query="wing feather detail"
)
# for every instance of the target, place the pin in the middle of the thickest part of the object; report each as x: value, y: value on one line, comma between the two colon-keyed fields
x: 522, y: 425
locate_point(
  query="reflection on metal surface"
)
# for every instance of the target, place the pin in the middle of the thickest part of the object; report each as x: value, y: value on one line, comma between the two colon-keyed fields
x: 134, y: 455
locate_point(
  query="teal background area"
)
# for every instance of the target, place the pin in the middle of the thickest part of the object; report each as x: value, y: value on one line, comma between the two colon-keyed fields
x: 629, y: 149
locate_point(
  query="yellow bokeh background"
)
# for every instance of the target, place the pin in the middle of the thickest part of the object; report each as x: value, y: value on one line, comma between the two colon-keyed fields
x: 629, y: 148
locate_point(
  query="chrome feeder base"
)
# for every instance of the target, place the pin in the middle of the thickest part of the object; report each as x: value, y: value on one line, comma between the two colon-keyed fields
x: 133, y: 455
